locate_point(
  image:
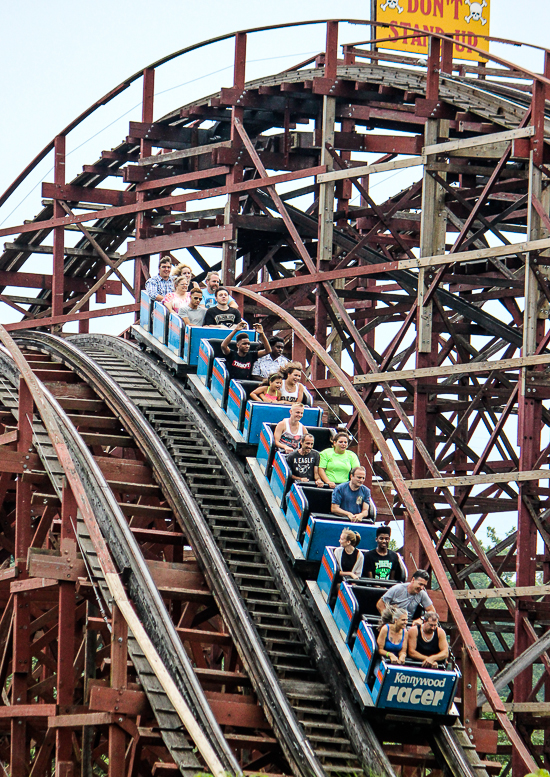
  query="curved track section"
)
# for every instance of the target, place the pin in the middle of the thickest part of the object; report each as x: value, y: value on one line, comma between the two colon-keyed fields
x: 502, y: 106
x: 283, y: 650
x: 143, y: 594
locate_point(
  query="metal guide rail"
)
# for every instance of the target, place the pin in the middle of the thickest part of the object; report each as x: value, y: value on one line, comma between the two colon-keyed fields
x: 127, y: 556
x: 281, y: 647
x: 211, y: 490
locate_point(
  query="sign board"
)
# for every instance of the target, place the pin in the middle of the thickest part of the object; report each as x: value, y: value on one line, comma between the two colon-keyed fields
x: 464, y: 19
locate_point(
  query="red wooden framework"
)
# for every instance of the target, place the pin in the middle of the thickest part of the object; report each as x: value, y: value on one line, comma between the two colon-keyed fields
x: 374, y: 285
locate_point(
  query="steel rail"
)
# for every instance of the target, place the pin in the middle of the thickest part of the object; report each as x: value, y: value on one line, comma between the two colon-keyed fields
x: 295, y: 744
x: 451, y: 743
x: 119, y: 549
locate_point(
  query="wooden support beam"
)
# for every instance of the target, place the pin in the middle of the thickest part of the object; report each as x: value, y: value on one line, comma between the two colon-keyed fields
x: 38, y: 281
x: 73, y: 193
x: 195, y: 237
x: 27, y: 711
x: 532, y: 707
x: 482, y: 140
x: 174, y: 156
x: 31, y: 323
x: 453, y: 369
x: 363, y: 170
x: 502, y: 593
x: 9, y: 437
x: 473, y: 480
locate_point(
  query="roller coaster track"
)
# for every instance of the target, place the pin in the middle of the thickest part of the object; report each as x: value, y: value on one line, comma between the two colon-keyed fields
x: 282, y: 649
x: 422, y: 432
x: 143, y: 593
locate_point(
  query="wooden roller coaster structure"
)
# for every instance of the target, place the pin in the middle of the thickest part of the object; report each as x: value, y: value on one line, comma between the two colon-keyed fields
x: 422, y: 321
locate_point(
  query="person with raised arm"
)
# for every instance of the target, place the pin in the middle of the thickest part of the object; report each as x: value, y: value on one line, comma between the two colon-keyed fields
x: 239, y: 363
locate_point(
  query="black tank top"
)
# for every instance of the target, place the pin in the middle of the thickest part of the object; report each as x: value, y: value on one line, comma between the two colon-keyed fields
x: 348, y: 560
x: 429, y: 648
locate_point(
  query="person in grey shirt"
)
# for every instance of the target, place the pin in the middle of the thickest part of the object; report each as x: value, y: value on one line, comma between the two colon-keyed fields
x: 192, y: 314
x: 409, y: 596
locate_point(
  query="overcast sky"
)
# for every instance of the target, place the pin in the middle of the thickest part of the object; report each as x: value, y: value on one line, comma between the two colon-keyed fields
x: 59, y: 57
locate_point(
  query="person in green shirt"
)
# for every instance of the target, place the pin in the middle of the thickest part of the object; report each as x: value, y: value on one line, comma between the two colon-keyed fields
x: 337, y: 462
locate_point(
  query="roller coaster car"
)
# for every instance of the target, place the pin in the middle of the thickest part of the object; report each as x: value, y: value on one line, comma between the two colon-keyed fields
x: 210, y: 349
x: 314, y: 526
x: 371, y: 591
x: 248, y: 416
x: 409, y: 688
x: 178, y: 345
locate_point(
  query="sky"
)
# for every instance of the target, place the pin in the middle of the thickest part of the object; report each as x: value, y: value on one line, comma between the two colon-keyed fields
x: 57, y: 58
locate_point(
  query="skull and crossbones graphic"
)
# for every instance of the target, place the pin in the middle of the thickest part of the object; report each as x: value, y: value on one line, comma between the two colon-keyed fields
x: 393, y: 5
x: 476, y: 12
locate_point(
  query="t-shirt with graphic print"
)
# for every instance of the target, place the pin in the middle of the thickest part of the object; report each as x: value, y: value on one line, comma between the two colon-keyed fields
x: 216, y: 317
x: 240, y: 367
x: 350, y: 499
x: 302, y: 465
x: 382, y: 567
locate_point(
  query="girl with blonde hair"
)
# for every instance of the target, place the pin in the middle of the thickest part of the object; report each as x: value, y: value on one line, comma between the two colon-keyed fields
x: 349, y: 557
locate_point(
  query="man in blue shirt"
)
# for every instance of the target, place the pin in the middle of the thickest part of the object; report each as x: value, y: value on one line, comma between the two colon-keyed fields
x: 353, y: 500
x: 162, y: 284
x: 212, y: 282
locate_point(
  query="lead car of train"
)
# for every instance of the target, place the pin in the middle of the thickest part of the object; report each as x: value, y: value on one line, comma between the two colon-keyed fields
x: 307, y: 528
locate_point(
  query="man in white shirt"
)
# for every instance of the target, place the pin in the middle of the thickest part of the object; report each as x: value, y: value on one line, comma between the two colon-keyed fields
x: 273, y: 362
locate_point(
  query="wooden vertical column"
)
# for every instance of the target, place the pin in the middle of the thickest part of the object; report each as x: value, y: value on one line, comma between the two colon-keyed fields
x: 469, y: 695
x: 326, y: 190
x: 58, y: 233
x: 66, y: 636
x: 119, y: 680
x: 529, y: 407
x: 19, y: 755
x: 433, y: 220
x: 432, y: 241
x: 229, y: 251
x: 143, y: 220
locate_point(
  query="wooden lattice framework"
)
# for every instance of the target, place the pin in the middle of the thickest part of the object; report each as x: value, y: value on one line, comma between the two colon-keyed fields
x: 435, y: 313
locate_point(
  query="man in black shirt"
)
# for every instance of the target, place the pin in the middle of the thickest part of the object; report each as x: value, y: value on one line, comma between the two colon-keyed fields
x: 221, y: 314
x: 304, y: 463
x: 382, y: 563
x: 239, y: 363
x: 427, y: 642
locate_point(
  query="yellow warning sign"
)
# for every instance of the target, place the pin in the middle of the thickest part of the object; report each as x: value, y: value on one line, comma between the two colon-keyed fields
x: 464, y: 19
